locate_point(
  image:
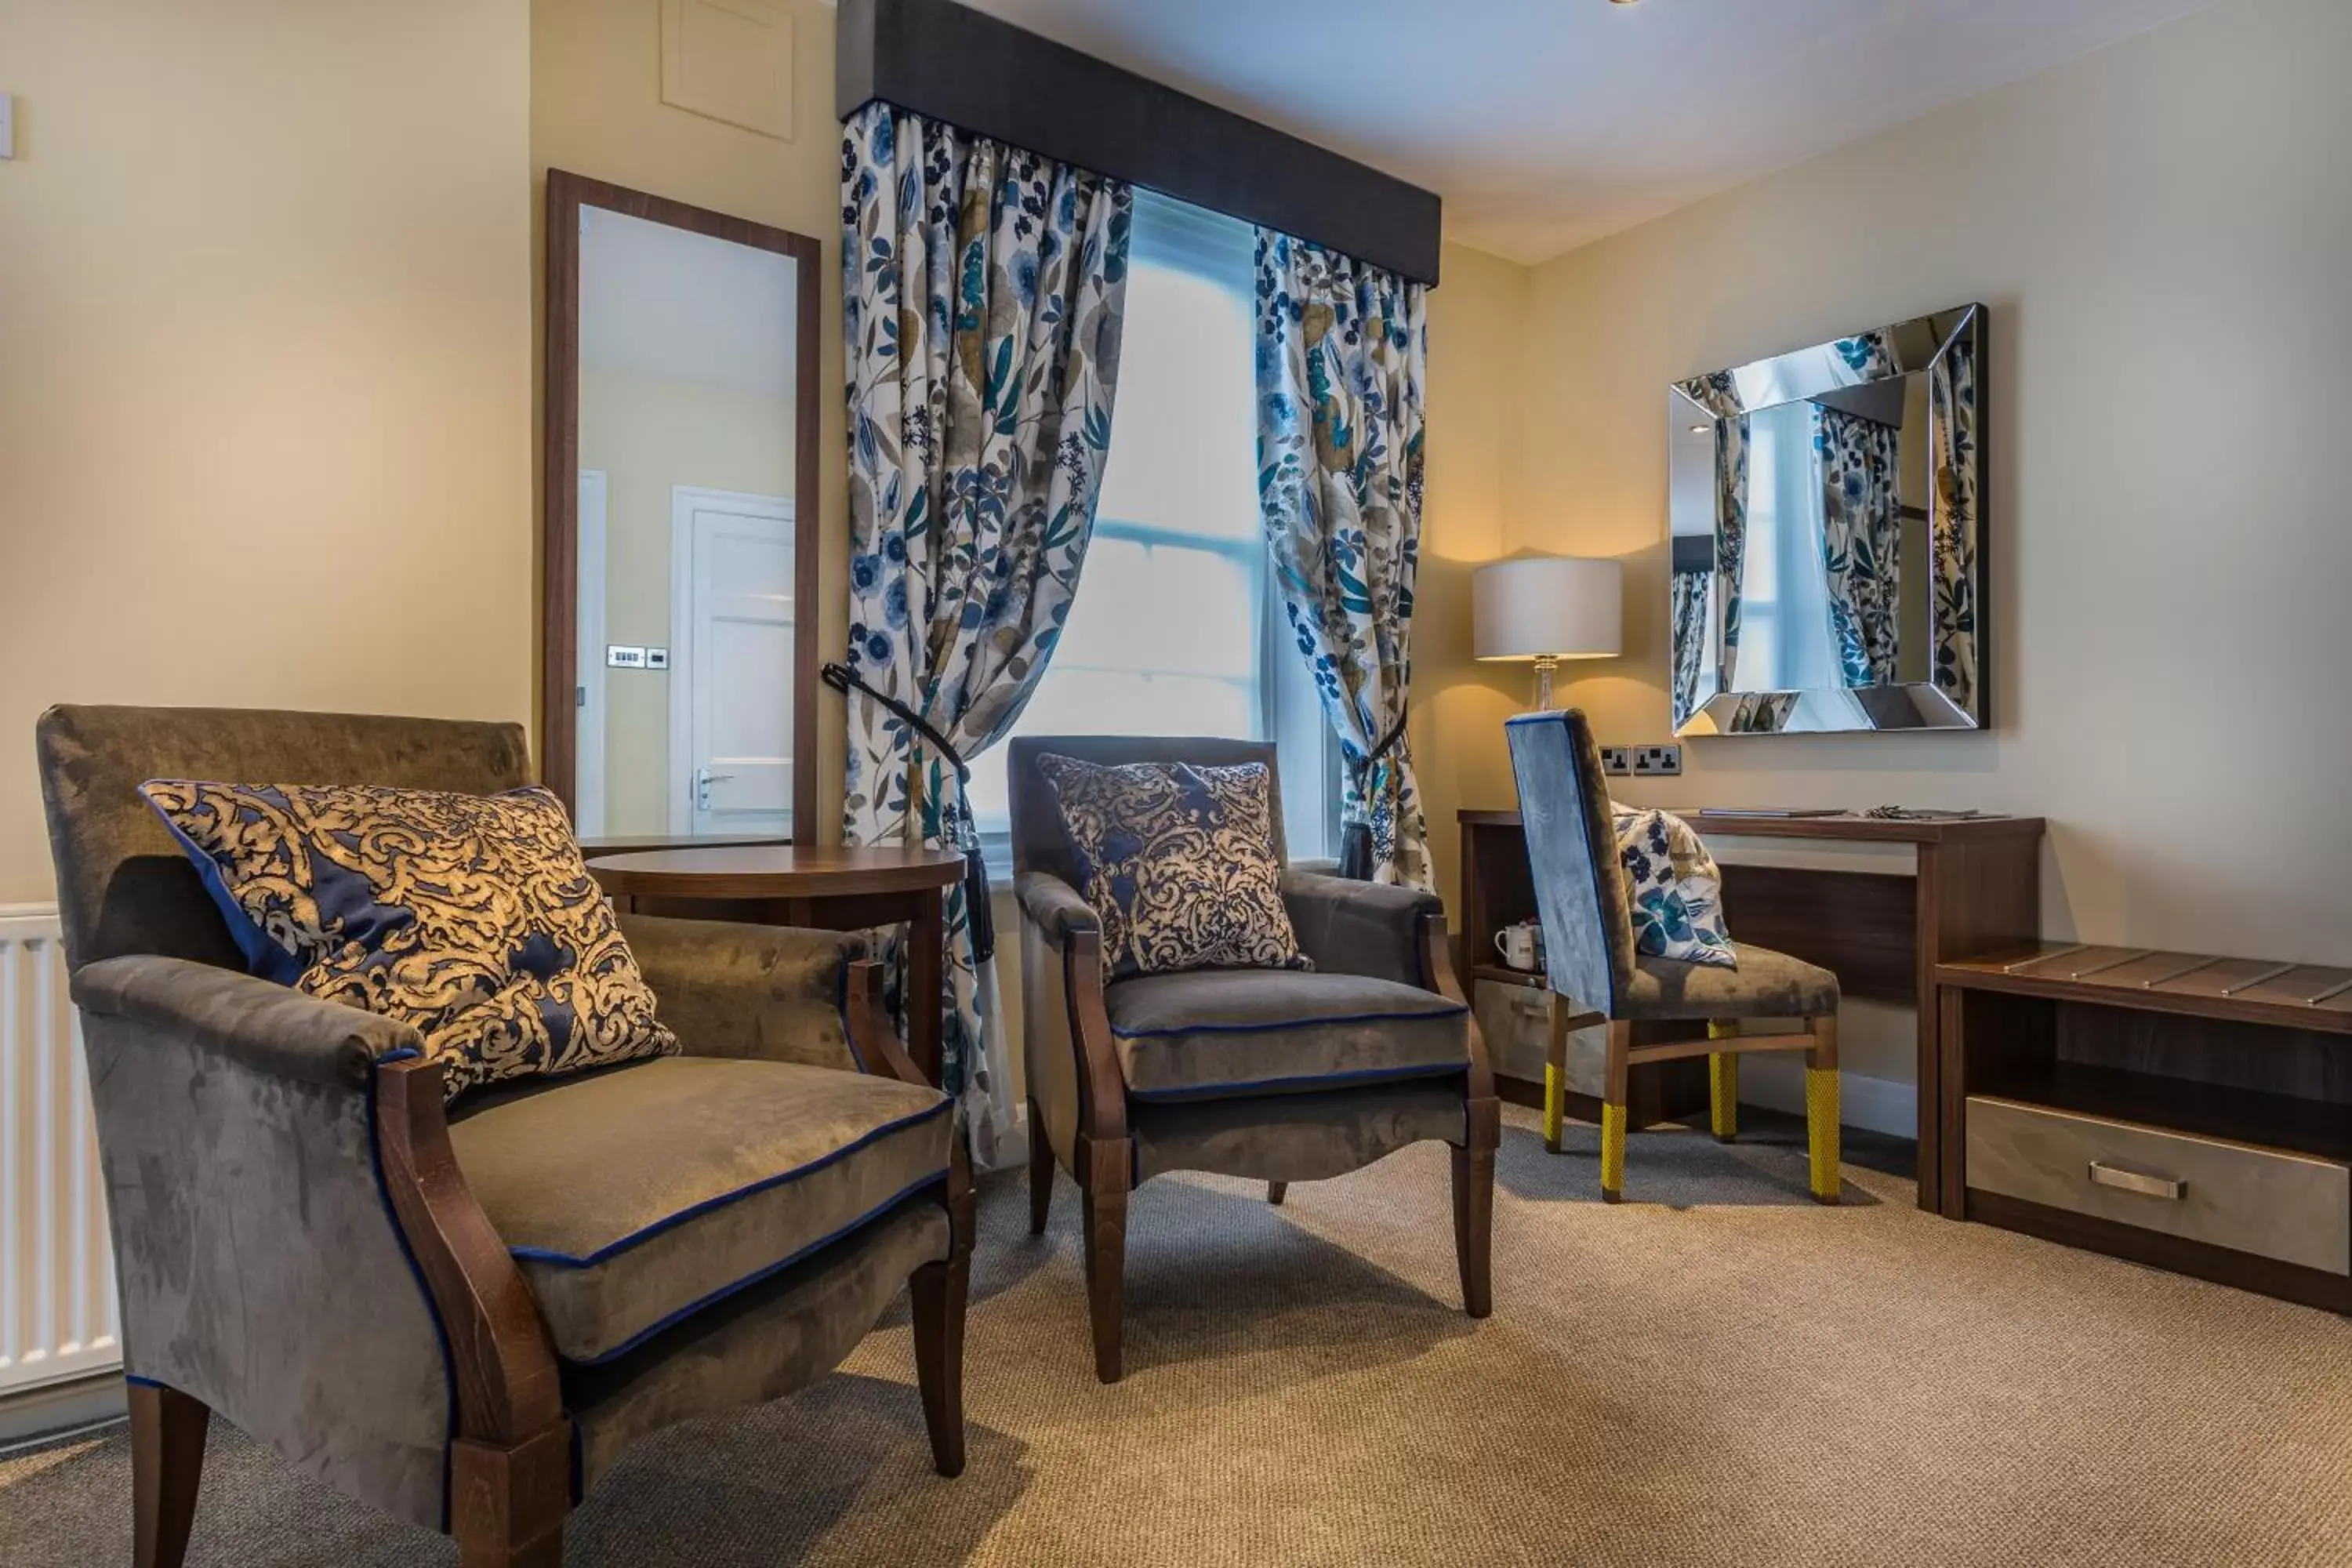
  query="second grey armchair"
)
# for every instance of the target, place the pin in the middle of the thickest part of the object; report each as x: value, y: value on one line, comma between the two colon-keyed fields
x: 1273, y: 1075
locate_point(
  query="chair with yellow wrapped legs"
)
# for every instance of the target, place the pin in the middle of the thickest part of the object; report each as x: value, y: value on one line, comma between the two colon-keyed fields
x: 1598, y: 978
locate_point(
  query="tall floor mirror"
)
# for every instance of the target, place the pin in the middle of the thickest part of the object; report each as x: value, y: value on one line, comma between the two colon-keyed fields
x: 680, y: 520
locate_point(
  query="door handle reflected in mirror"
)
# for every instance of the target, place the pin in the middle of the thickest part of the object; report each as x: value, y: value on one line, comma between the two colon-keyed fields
x: 703, y: 779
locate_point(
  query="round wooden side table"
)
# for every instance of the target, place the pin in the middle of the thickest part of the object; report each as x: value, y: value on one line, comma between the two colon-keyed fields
x: 822, y: 887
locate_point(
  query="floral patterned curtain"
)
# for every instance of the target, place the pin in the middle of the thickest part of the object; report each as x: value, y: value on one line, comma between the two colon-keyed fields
x: 983, y: 289
x: 1689, y: 639
x: 1342, y: 358
x: 1730, y: 533
x: 1862, y: 541
x: 1719, y: 393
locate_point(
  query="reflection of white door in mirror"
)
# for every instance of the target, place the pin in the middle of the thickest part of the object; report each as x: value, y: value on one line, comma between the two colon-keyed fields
x: 588, y: 779
x: 731, y: 558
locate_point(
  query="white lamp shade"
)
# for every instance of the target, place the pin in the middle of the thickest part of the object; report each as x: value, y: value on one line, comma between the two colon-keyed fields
x: 1558, y: 607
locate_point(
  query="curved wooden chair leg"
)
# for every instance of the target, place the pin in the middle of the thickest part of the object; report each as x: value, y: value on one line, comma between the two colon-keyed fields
x: 1108, y: 1177
x: 1041, y: 1171
x: 167, y: 1464
x: 1822, y: 1109
x: 1474, y: 1206
x: 939, y: 1290
x: 1274, y: 1191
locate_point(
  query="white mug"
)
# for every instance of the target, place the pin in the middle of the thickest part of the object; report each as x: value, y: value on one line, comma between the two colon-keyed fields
x: 1517, y: 944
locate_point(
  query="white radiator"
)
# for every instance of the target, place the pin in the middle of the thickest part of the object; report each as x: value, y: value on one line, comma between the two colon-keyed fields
x: 57, y: 1266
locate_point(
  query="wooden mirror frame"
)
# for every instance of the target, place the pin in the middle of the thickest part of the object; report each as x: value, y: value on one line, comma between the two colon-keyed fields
x: 559, y: 485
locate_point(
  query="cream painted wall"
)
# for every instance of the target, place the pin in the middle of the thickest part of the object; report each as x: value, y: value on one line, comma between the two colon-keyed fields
x: 596, y: 109
x: 1478, y: 325
x: 2160, y: 230
x: 647, y: 436
x: 264, y: 366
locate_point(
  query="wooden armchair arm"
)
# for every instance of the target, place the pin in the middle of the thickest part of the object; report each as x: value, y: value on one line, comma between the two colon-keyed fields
x: 514, y: 1442
x: 871, y: 1036
x: 1102, y: 1087
x: 1437, y: 974
x: 884, y: 1055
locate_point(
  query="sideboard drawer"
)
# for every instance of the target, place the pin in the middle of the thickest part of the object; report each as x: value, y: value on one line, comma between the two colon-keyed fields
x: 2296, y: 1208
x: 1514, y: 1020
x: 1516, y: 1023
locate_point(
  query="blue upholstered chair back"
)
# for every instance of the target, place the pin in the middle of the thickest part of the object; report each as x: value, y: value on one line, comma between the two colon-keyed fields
x: 1572, y: 852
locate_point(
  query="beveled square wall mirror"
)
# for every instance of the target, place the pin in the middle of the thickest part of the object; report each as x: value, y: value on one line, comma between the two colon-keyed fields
x: 1828, y: 535
x: 680, y: 519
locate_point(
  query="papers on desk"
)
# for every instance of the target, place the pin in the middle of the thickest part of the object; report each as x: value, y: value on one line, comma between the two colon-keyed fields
x: 1775, y: 811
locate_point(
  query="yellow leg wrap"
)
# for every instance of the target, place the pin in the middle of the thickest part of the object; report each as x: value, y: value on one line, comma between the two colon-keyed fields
x: 1821, y: 1130
x: 1612, y: 1151
x: 1723, y: 1093
x: 1555, y: 1105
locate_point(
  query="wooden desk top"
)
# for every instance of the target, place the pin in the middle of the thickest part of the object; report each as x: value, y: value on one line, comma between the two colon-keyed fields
x: 2250, y: 990
x: 777, y: 871
x: 1853, y: 827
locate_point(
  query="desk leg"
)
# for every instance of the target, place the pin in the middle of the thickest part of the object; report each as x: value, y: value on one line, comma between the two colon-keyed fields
x: 926, y: 966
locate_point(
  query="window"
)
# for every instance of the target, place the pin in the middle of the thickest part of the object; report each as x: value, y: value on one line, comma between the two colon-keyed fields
x: 1176, y: 629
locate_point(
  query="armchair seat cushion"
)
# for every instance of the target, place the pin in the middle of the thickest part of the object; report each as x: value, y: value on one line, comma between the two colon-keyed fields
x: 1210, y: 1033
x: 634, y: 1198
x: 1767, y: 984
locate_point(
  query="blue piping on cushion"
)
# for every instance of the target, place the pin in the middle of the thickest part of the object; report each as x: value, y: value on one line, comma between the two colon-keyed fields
x: 135, y: 1381
x: 416, y: 1272
x: 745, y: 1283
x: 1247, y: 1087
x: 1452, y: 1010
x: 697, y: 1210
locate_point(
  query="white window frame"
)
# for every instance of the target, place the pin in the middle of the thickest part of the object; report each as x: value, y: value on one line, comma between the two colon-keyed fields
x: 1290, y: 711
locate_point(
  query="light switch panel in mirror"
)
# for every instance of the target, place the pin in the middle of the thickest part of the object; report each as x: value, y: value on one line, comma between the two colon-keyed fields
x: 1827, y: 534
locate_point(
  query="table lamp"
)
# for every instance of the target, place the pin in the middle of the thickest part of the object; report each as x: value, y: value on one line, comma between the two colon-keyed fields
x: 1547, y: 608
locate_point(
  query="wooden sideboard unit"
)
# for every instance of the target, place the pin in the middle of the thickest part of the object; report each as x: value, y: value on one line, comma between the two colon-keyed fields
x: 1972, y: 885
x: 2178, y: 1110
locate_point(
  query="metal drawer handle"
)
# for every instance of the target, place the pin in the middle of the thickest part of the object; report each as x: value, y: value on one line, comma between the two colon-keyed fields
x: 2133, y: 1182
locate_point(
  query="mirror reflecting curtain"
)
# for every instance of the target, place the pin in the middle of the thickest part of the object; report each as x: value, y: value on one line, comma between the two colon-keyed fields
x: 1825, y: 536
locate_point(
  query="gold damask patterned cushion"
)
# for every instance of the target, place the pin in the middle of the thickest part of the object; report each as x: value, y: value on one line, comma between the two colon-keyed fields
x: 1178, y: 862
x: 470, y: 917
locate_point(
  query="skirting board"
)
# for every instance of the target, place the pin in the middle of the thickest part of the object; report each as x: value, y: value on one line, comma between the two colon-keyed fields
x: 1775, y: 1081
x: 60, y: 1407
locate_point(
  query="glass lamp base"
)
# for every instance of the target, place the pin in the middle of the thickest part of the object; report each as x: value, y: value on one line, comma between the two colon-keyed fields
x: 1545, y: 664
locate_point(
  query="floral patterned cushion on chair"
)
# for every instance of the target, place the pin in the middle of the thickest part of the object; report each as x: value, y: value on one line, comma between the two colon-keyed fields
x: 1179, y: 864
x: 1672, y: 888
x: 472, y: 918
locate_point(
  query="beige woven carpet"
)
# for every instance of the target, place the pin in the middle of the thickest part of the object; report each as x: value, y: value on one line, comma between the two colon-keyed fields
x: 1718, y: 1373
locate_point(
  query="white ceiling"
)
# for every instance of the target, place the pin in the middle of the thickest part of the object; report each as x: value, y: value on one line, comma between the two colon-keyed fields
x: 674, y: 305
x: 1545, y: 123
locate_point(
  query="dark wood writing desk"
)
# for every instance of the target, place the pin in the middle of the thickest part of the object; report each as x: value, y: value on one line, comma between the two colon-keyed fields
x: 1972, y: 885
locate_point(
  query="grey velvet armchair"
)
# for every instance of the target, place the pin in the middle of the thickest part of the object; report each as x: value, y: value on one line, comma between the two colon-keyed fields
x: 463, y: 1317
x: 1271, y: 1074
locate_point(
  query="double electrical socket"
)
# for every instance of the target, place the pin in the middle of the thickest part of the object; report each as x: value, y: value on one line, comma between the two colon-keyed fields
x: 1640, y: 762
